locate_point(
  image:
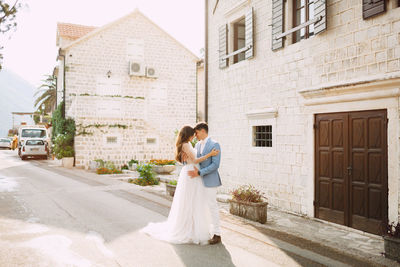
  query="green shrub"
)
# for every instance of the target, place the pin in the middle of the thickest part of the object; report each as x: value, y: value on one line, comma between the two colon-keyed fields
x: 133, y: 161
x: 146, y: 174
x: 101, y: 162
x: 124, y: 167
x: 173, y: 182
x: 63, y: 146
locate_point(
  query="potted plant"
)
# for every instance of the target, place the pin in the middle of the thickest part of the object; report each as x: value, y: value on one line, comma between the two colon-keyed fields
x: 247, y: 202
x: 171, y: 187
x: 133, y: 164
x: 146, y: 176
x: 163, y: 166
x: 392, y: 241
x: 63, y: 149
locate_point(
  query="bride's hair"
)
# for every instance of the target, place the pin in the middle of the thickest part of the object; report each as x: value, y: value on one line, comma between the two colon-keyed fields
x: 183, y: 137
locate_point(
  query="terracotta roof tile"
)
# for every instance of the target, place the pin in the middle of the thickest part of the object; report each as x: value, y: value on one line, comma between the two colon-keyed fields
x: 73, y: 31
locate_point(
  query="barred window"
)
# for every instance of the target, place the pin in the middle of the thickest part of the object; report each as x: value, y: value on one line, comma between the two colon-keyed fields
x: 262, y: 136
x: 111, y: 139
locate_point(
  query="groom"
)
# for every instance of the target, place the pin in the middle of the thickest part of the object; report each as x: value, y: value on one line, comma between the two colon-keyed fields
x: 209, y: 173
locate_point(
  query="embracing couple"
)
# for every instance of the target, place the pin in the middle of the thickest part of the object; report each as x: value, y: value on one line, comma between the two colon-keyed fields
x: 194, y: 216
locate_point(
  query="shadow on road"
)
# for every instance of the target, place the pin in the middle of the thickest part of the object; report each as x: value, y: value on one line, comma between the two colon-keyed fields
x: 209, y: 255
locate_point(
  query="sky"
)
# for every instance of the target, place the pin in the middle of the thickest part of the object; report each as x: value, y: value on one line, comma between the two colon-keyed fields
x: 31, y: 50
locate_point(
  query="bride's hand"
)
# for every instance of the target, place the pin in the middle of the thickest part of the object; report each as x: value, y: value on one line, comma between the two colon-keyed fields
x: 214, y: 152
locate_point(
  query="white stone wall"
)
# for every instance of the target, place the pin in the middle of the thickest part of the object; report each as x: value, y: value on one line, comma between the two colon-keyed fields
x: 130, y: 108
x: 350, y: 49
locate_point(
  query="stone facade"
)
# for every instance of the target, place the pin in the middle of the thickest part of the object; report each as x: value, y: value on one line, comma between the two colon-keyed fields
x: 353, y: 65
x: 120, y: 117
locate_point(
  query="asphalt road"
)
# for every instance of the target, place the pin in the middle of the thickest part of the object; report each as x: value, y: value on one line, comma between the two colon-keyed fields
x: 50, y: 216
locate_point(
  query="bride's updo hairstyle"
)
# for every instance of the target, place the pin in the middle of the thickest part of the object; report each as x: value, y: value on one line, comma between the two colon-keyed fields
x: 183, y: 137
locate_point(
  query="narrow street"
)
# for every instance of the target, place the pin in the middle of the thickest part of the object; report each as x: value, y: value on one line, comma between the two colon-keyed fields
x: 50, y: 216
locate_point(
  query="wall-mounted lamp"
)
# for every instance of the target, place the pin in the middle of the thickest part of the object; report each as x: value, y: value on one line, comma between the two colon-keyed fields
x: 109, y: 74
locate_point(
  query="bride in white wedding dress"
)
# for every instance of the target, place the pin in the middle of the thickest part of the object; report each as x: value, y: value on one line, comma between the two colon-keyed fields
x: 189, y: 219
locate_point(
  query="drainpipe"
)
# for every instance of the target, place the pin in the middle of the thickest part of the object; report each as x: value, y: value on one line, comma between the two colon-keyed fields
x: 64, y: 96
x: 206, y: 63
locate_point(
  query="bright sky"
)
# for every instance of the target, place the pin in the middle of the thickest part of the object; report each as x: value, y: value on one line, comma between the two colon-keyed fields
x: 31, y: 51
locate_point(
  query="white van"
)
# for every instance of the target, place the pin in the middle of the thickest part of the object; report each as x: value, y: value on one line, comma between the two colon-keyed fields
x: 36, y: 132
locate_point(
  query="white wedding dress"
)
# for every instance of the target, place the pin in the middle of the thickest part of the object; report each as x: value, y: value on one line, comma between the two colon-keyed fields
x: 189, y: 219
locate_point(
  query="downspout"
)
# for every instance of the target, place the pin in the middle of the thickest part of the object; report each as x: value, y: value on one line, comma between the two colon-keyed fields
x: 197, y: 91
x: 64, y: 96
x: 206, y: 64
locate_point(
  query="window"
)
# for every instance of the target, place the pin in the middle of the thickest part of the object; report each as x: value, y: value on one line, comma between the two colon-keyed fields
x: 112, y: 139
x: 33, y: 133
x: 151, y: 141
x: 34, y: 143
x: 262, y: 136
x: 303, y: 11
x: 239, y: 39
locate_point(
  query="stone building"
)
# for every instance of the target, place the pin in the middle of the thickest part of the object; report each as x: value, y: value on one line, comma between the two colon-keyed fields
x: 303, y: 97
x: 129, y: 86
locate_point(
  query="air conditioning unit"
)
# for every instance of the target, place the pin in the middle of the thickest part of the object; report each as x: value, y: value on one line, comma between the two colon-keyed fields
x: 137, y: 69
x: 151, y: 72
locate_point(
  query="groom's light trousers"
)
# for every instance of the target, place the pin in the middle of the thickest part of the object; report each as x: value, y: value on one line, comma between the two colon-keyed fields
x: 214, y: 210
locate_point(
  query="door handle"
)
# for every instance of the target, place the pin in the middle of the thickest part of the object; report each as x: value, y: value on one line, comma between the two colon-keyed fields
x: 349, y: 169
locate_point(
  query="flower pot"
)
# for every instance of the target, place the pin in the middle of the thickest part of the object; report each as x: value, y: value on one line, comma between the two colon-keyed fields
x: 133, y: 167
x: 392, y: 248
x: 164, y: 169
x: 170, y: 189
x: 68, y: 162
x: 253, y: 211
x: 94, y: 165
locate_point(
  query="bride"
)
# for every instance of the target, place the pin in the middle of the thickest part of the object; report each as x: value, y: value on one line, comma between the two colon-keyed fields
x: 189, y: 219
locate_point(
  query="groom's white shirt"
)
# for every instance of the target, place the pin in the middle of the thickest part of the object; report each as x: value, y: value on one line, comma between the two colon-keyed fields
x: 203, y: 144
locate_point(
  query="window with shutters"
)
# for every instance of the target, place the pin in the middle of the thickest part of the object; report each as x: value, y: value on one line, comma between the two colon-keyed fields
x: 308, y: 19
x: 373, y: 7
x: 303, y: 11
x: 240, y: 46
x: 262, y: 136
x: 239, y: 39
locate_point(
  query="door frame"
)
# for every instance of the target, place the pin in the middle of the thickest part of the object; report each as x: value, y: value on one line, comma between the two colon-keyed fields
x: 347, y: 219
x: 391, y: 104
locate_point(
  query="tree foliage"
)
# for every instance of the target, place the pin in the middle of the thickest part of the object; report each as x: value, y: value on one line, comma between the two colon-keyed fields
x: 63, y: 134
x: 47, y: 95
x: 8, y: 14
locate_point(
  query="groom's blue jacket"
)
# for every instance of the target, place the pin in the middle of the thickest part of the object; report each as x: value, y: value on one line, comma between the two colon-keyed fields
x: 209, y: 167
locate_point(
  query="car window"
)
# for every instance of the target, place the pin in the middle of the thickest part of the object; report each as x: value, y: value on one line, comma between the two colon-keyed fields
x: 5, y: 140
x: 34, y: 142
x: 33, y: 133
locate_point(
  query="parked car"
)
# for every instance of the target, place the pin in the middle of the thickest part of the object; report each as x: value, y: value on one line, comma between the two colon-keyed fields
x: 5, y: 143
x: 26, y: 132
x: 34, y: 148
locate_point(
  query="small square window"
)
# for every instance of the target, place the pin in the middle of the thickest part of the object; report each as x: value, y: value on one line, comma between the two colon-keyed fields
x: 262, y: 136
x: 111, y: 139
x: 151, y: 141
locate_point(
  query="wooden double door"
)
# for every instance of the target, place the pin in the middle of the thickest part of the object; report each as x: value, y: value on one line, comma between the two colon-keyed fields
x: 351, y: 169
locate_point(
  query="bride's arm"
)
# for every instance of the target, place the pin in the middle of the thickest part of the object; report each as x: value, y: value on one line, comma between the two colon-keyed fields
x: 192, y: 157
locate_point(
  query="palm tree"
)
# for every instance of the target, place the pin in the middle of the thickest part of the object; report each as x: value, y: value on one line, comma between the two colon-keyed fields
x: 47, y: 95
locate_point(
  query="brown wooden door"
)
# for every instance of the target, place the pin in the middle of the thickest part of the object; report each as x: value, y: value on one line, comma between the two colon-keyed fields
x: 351, y: 169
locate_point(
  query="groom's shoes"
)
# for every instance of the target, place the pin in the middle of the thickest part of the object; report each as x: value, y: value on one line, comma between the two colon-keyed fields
x: 215, y: 240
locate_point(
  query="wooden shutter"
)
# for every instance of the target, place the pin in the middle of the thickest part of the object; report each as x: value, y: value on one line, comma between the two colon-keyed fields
x: 320, y: 11
x: 277, y: 23
x: 223, y: 46
x: 249, y: 34
x: 373, y: 7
